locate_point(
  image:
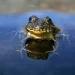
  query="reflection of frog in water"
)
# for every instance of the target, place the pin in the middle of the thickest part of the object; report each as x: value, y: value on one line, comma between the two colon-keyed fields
x: 39, y: 49
x: 41, y: 28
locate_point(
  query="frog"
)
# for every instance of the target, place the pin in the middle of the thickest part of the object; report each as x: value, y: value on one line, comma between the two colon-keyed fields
x: 41, y: 28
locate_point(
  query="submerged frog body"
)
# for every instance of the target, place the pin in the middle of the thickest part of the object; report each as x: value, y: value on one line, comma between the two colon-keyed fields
x: 41, y: 28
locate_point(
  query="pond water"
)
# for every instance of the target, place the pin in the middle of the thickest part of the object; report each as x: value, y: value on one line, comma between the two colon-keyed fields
x: 11, y: 62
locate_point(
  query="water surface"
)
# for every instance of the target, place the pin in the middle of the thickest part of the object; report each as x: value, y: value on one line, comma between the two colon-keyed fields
x: 11, y: 62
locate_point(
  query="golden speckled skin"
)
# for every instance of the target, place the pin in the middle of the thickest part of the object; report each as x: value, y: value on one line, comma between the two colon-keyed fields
x: 41, y: 28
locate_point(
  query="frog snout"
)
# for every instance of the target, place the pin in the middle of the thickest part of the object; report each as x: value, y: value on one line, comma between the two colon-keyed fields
x: 37, y: 27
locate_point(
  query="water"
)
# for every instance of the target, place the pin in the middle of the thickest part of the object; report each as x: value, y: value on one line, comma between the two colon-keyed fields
x: 11, y: 62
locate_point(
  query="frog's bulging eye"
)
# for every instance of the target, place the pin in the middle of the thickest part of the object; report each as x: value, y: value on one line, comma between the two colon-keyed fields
x: 47, y: 19
x: 32, y: 18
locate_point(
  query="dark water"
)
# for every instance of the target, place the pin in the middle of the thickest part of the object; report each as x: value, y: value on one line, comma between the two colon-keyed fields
x: 11, y: 62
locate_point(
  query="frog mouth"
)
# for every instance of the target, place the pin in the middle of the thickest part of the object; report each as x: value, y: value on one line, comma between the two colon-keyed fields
x: 39, y: 33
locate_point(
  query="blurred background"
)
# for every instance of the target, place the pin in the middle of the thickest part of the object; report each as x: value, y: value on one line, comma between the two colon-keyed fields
x: 13, y: 6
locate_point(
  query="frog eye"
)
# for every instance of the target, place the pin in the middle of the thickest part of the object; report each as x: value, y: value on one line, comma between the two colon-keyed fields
x: 32, y: 18
x: 47, y: 19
